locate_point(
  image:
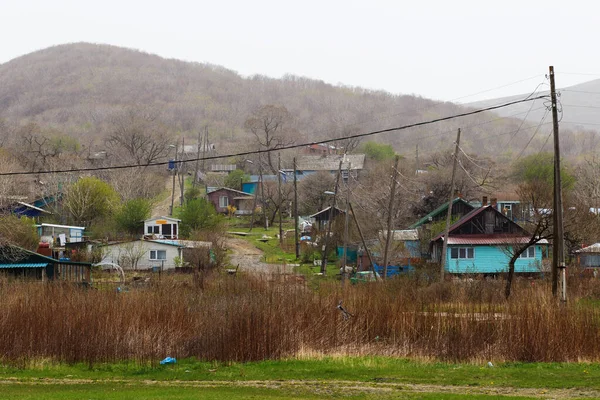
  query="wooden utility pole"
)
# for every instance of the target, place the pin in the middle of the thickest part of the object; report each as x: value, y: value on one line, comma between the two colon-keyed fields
x: 449, y: 213
x: 175, y: 166
x: 197, y: 160
x: 362, y: 239
x: 328, y: 233
x: 296, y: 217
x: 417, y: 161
x: 279, y: 198
x: 181, y: 175
x: 390, y: 219
x: 204, y: 147
x: 346, y: 217
x: 262, y: 192
x: 558, y: 252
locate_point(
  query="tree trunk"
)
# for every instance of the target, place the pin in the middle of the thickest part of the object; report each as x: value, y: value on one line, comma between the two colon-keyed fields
x: 511, y: 274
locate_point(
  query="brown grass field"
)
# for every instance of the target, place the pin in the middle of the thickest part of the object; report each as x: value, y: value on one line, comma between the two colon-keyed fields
x: 248, y: 318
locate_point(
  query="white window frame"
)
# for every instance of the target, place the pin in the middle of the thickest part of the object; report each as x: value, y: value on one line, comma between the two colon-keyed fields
x: 155, y: 257
x: 465, y: 251
x: 223, y: 201
x: 528, y: 253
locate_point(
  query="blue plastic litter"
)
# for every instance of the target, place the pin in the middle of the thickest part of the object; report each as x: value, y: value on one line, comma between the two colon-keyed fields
x: 168, y: 360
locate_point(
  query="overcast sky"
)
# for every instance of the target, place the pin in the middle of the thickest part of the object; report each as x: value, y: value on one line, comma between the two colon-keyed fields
x: 443, y: 50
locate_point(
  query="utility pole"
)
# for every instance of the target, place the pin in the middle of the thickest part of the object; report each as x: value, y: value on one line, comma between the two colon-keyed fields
x: 204, y: 147
x: 362, y: 238
x: 254, y: 203
x: 181, y: 175
x: 388, y: 236
x: 346, y: 217
x: 417, y: 160
x: 449, y: 213
x: 173, y: 189
x: 262, y: 192
x: 558, y: 252
x: 279, y: 198
x: 197, y: 160
x: 296, y: 217
x: 328, y: 233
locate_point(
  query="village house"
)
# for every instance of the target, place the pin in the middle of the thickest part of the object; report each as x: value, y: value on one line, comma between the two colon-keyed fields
x: 481, y: 243
x: 161, y: 254
x: 307, y: 165
x: 223, y: 197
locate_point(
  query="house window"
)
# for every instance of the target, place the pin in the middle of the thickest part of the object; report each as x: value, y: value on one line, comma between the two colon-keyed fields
x: 462, y: 253
x: 529, y: 253
x: 153, y: 229
x: 223, y: 201
x: 158, y: 254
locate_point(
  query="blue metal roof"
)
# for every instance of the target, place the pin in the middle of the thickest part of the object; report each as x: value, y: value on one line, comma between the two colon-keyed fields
x: 24, y: 265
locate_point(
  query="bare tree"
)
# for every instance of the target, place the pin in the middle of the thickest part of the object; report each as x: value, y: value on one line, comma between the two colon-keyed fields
x: 138, y: 134
x: 130, y: 254
x: 272, y: 127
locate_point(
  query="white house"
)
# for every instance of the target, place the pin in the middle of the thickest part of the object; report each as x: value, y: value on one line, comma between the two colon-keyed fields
x: 142, y: 254
x: 148, y: 254
x: 162, y: 227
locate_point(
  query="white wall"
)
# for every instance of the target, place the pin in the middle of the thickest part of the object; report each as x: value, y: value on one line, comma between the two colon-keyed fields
x: 139, y: 250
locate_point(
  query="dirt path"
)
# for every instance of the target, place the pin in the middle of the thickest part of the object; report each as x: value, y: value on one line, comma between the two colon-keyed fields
x: 250, y: 259
x: 329, y: 387
x: 162, y: 208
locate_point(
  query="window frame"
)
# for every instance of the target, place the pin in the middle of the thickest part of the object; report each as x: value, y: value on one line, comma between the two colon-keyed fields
x: 468, y: 253
x: 528, y: 253
x: 223, y: 200
x: 156, y: 253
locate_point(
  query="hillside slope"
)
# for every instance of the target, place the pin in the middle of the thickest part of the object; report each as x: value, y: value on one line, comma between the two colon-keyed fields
x: 579, y: 103
x: 78, y: 88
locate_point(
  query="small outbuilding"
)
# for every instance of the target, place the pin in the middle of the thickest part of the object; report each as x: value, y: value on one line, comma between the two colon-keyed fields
x: 589, y: 257
x: 16, y: 262
x: 162, y: 227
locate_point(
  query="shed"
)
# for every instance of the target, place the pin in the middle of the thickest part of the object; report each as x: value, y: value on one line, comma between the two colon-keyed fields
x: 60, y: 234
x: 322, y: 217
x: 21, y: 263
x: 162, y: 227
x: 589, y: 257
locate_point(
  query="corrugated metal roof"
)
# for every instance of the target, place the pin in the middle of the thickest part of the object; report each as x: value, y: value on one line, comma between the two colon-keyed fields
x: 24, y: 265
x: 595, y: 248
x: 402, y: 235
x: 330, y: 162
x: 437, y: 211
x: 491, y: 240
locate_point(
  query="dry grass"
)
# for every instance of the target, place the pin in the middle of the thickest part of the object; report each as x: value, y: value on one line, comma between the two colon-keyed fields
x: 245, y: 318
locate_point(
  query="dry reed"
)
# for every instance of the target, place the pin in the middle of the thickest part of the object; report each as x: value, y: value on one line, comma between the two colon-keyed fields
x: 246, y: 318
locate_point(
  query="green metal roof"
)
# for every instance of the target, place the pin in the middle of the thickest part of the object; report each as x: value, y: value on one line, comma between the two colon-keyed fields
x: 24, y: 265
x: 435, y: 213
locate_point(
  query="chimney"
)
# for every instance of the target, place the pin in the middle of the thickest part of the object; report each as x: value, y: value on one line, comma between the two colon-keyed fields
x: 484, y: 201
x: 494, y: 202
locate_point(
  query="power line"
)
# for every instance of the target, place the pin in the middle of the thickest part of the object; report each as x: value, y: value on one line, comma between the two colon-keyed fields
x: 292, y: 146
x: 534, y: 133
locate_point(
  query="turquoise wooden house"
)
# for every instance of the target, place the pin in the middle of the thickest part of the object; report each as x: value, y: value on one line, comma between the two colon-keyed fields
x: 481, y: 243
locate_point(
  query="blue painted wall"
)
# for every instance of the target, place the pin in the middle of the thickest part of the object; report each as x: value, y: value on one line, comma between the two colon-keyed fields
x: 490, y: 260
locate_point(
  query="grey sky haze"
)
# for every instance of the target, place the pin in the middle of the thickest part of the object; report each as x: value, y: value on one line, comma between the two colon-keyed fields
x: 437, y: 49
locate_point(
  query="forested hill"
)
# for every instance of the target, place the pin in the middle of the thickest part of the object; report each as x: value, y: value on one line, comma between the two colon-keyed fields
x: 76, y: 89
